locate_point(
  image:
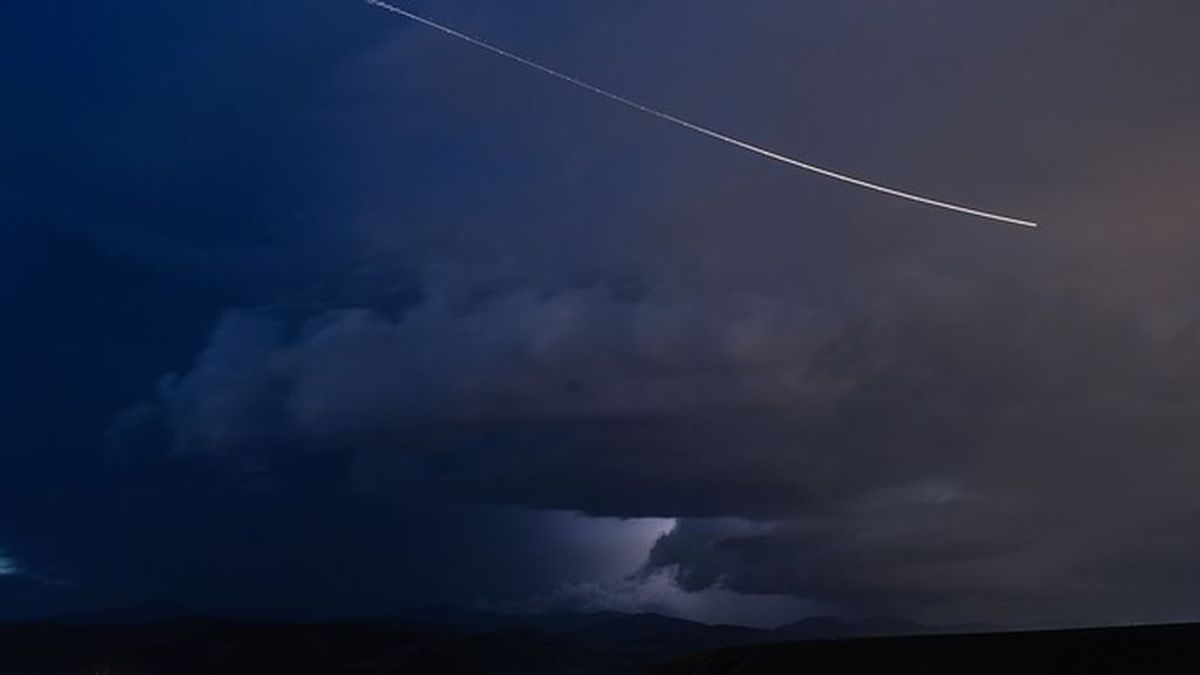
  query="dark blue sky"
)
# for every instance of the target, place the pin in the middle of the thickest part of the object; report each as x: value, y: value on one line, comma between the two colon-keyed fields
x: 312, y: 311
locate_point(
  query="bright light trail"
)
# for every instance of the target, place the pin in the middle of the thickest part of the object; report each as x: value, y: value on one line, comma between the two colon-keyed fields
x: 699, y: 129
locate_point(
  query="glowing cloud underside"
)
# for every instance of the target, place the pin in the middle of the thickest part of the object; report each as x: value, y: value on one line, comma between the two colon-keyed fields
x: 699, y: 129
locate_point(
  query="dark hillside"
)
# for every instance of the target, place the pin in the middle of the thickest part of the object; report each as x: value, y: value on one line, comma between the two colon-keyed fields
x: 1149, y: 650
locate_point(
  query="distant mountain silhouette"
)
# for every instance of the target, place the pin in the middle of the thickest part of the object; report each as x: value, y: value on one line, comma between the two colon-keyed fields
x: 137, y: 614
x: 1144, y: 650
x: 567, y: 623
x: 168, y: 639
x: 829, y: 628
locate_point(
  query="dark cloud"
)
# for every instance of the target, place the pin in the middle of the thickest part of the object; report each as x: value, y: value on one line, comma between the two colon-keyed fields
x: 567, y: 354
x: 469, y: 295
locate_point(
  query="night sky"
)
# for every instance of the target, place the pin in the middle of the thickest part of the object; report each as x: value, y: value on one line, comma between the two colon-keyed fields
x: 310, y: 311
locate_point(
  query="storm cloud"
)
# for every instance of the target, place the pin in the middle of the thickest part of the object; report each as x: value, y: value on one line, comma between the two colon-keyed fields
x: 371, y: 311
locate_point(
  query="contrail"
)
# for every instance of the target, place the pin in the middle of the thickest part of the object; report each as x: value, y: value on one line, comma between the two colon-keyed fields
x: 696, y: 127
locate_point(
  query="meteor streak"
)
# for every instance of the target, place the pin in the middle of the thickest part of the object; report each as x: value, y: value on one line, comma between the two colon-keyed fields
x: 696, y: 127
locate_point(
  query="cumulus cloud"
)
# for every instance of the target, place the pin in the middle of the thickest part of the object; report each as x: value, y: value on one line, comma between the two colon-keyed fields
x: 905, y: 462
x: 961, y: 445
x: 574, y: 354
x: 874, y: 409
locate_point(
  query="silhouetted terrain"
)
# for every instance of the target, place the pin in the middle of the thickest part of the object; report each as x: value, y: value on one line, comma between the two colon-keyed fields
x: 1150, y: 650
x: 208, y: 646
x: 143, y: 642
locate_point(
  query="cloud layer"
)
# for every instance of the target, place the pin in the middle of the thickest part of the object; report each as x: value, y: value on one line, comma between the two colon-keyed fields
x: 418, y: 303
x: 884, y: 415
